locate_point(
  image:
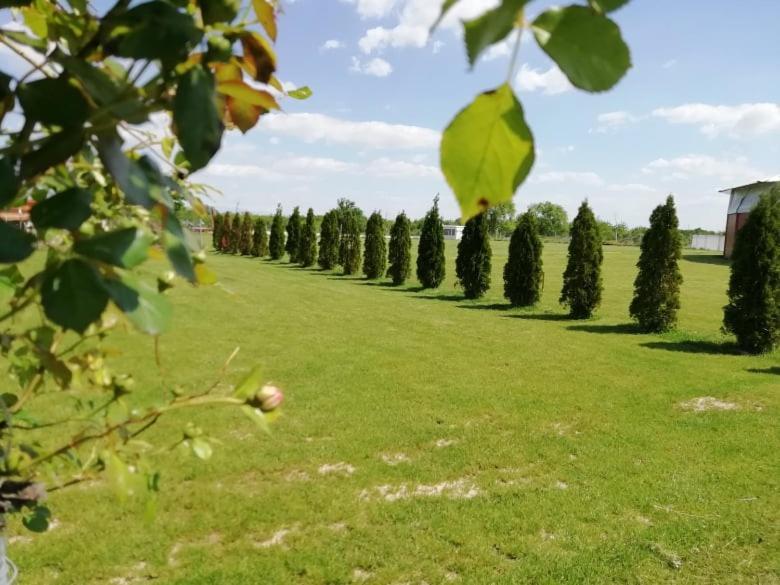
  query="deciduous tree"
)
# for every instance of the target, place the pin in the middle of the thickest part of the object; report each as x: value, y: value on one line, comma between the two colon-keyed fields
x: 582, y: 279
x: 472, y: 265
x: 375, y: 257
x: 430, y: 251
x: 657, y: 285
x: 523, y: 275
x: 400, y: 250
x: 550, y: 218
x: 753, y: 310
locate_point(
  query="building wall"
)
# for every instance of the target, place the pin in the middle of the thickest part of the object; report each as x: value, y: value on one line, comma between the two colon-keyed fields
x: 708, y: 242
x: 734, y: 223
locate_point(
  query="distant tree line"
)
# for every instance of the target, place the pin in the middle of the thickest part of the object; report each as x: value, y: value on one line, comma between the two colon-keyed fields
x: 336, y: 240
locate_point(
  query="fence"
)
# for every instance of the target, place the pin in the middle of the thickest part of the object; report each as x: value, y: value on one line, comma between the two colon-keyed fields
x: 708, y: 242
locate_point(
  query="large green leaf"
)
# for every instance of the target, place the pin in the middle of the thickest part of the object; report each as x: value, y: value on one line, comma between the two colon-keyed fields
x: 177, y: 250
x: 491, y: 27
x: 214, y: 11
x: 586, y: 45
x: 195, y: 116
x: 138, y: 185
x: 7, y: 98
x: 73, y: 296
x: 15, y: 245
x: 146, y: 308
x: 126, y: 248
x: 66, y: 210
x: 154, y: 30
x: 9, y: 184
x: 53, y: 101
x: 54, y: 150
x: 487, y: 151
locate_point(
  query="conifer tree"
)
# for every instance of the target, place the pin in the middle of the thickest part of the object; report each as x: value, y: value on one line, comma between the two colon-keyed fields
x: 523, y: 275
x: 350, y: 241
x: 260, y: 239
x: 753, y: 310
x: 430, y: 251
x: 276, y: 242
x: 582, y: 279
x: 235, y: 234
x: 375, y: 257
x: 245, y: 235
x: 293, y: 245
x: 400, y: 250
x: 329, y: 241
x: 472, y: 265
x: 657, y: 285
x: 308, y: 249
x: 224, y: 238
x: 216, y: 233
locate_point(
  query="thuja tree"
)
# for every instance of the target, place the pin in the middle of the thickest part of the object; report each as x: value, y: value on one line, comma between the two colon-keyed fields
x: 753, y: 310
x: 260, y: 239
x: 225, y: 235
x: 430, y: 250
x: 350, y: 242
x: 375, y: 257
x: 245, y: 235
x: 582, y: 278
x: 216, y: 232
x: 523, y: 274
x: 294, y: 228
x: 276, y: 241
x: 234, y: 246
x: 330, y: 237
x: 400, y: 250
x: 472, y: 265
x: 84, y: 85
x: 307, y: 253
x: 657, y: 286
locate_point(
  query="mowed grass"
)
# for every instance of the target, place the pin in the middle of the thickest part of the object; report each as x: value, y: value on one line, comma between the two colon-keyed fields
x: 526, y: 448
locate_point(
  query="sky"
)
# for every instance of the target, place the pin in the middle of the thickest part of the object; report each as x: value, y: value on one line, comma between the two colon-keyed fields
x: 696, y: 113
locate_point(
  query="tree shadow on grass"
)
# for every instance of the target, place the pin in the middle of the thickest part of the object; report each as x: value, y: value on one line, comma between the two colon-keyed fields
x: 718, y: 259
x: 708, y: 347
x: 445, y: 298
x: 621, y: 328
x: 774, y: 370
x: 380, y: 284
x: 490, y: 307
x: 540, y: 317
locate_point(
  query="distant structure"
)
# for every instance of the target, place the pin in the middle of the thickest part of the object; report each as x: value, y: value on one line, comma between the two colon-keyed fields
x: 742, y: 200
x: 18, y: 216
x: 714, y: 242
x: 453, y: 232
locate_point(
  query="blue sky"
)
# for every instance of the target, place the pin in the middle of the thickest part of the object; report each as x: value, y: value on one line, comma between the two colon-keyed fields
x: 697, y: 112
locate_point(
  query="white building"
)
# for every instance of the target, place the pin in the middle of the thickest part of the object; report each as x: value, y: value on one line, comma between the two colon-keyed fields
x: 453, y: 232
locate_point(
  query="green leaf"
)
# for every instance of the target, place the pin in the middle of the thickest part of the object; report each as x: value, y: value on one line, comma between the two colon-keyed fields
x: 201, y: 448
x: 196, y: 119
x: 607, y: 5
x: 147, y: 309
x: 586, y: 46
x: 301, y: 93
x: 10, y: 278
x: 491, y: 27
x: 7, y: 97
x: 9, y: 184
x: 54, y: 150
x: 176, y: 248
x: 139, y: 184
x: 53, y: 101
x: 73, y: 296
x: 66, y: 210
x: 126, y: 247
x: 487, y: 151
x: 445, y: 8
x: 38, y: 521
x: 124, y: 482
x: 257, y: 416
x: 214, y: 11
x: 15, y: 245
x: 250, y: 384
x: 154, y: 30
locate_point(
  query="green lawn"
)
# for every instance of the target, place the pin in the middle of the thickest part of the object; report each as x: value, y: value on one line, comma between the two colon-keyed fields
x: 426, y: 439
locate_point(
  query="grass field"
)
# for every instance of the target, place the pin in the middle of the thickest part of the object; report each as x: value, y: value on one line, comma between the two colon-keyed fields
x: 426, y: 439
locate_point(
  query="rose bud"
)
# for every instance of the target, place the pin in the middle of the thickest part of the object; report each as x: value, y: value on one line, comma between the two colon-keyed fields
x: 268, y: 398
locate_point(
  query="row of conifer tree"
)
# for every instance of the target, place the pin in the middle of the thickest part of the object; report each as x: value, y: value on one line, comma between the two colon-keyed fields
x: 753, y: 312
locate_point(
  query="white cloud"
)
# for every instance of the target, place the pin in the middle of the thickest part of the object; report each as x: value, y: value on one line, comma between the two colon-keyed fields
x: 372, y: 134
x: 669, y: 64
x: 702, y: 165
x: 372, y: 8
x: 583, y: 178
x: 332, y: 44
x: 437, y: 46
x: 611, y: 121
x: 385, y: 167
x: 631, y: 187
x: 550, y: 82
x: 505, y: 47
x: 740, y: 121
x: 376, y: 67
x: 415, y: 18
